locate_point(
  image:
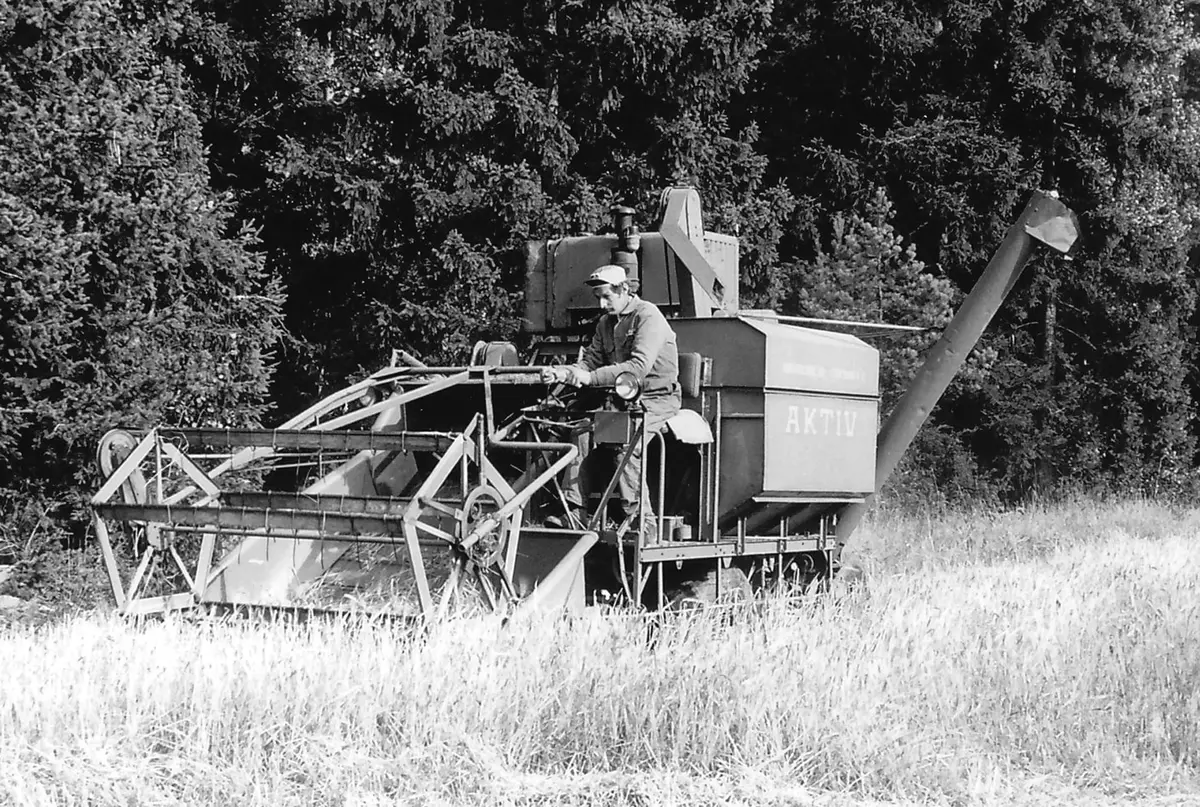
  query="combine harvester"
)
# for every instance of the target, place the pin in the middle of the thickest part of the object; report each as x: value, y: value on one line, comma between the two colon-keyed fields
x: 422, y: 486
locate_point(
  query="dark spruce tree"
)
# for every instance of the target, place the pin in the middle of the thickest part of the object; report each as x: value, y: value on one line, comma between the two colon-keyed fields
x: 127, y: 295
x: 398, y: 156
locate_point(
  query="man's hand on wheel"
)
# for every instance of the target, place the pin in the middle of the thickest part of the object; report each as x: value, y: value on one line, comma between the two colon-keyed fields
x: 555, y: 375
x: 572, y: 375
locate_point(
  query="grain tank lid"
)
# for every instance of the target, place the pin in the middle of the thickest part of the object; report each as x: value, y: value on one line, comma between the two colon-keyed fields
x: 781, y: 329
x: 802, y: 358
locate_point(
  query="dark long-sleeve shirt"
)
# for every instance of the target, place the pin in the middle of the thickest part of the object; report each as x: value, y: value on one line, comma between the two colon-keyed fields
x: 641, y: 341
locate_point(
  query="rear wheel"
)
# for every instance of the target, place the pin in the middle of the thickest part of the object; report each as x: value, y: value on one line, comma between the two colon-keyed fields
x: 794, y: 575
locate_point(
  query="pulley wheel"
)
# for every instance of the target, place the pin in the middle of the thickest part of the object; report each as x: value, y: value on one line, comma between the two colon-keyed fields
x: 114, y: 447
x: 480, y: 503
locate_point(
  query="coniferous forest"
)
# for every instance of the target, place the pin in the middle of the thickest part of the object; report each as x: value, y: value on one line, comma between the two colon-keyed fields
x: 212, y: 211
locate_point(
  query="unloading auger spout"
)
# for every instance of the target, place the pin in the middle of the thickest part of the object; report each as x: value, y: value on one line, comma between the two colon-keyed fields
x: 1044, y: 220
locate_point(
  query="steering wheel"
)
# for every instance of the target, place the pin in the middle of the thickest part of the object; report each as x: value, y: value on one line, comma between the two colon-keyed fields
x: 559, y: 396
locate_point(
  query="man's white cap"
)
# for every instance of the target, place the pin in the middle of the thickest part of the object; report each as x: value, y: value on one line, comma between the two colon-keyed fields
x: 611, y: 275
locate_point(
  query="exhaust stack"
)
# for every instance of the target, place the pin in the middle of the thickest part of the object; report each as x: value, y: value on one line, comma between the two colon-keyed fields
x: 624, y: 253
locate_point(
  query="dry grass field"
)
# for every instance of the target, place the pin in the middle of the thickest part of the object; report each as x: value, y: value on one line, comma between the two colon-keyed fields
x: 1050, y: 656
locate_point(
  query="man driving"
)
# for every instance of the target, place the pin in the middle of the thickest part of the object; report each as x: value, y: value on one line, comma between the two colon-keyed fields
x: 632, y: 335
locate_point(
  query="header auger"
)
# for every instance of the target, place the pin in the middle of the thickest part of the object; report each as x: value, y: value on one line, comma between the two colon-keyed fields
x: 421, y: 489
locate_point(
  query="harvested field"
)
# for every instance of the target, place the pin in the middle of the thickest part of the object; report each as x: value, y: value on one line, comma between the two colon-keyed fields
x: 1040, y: 657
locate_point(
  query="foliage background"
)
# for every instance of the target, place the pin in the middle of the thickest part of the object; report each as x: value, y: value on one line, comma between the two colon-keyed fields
x: 212, y: 211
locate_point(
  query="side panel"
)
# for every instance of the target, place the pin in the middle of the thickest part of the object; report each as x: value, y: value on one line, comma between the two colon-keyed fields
x: 537, y: 556
x: 741, y: 445
x: 658, y: 286
x: 815, y: 444
x: 722, y: 252
x: 821, y: 361
x: 569, y: 261
x: 737, y: 349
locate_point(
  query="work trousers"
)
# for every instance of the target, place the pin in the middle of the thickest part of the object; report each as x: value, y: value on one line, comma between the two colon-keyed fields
x: 658, y: 412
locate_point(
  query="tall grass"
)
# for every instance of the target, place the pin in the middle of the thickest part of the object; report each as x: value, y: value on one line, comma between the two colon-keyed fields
x: 1041, y: 657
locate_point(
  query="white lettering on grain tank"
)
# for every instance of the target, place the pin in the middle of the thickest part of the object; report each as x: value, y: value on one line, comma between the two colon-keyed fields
x: 823, y: 420
x: 818, y: 372
x: 814, y: 444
